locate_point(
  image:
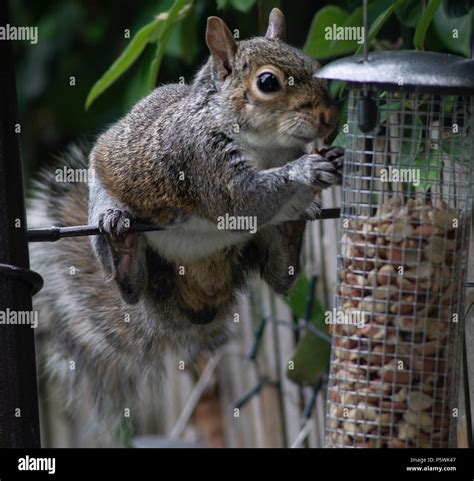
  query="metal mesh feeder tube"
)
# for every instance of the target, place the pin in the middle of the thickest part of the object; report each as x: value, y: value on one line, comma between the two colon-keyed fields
x: 403, y: 250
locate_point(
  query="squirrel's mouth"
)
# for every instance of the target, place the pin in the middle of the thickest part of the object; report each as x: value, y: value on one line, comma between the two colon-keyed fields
x: 308, y: 129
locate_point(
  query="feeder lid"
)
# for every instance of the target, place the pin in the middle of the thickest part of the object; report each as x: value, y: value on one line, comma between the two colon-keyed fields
x: 405, y: 69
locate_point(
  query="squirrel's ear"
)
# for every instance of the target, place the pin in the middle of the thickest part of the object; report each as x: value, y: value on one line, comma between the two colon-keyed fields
x: 276, y: 25
x: 222, y: 45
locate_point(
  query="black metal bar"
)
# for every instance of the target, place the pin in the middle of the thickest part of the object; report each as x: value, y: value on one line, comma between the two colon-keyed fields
x: 330, y: 213
x: 31, y: 278
x: 310, y: 298
x: 308, y: 409
x: 19, y: 420
x: 252, y: 356
x: 52, y: 234
x: 249, y: 395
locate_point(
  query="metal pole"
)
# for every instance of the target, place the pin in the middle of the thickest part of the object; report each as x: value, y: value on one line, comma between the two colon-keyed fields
x: 19, y: 420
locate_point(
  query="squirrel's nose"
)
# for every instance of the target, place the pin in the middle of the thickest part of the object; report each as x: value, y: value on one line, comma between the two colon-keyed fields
x: 327, y: 115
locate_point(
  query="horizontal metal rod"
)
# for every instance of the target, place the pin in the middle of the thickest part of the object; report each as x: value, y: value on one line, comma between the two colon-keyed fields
x: 52, y: 234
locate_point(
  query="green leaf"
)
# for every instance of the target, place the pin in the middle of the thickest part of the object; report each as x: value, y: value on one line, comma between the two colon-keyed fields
x: 297, y: 298
x: 243, y: 5
x: 424, y: 23
x: 311, y: 356
x: 387, y: 110
x: 413, y: 131
x: 334, y: 87
x: 448, y: 103
x: 124, y: 62
x: 178, y: 7
x: 340, y: 140
x: 409, y: 13
x: 428, y: 168
x: 454, y: 34
x: 137, y: 87
x: 337, y: 88
x: 316, y: 44
x: 310, y: 359
x: 380, y: 22
x: 182, y: 42
x: 455, y: 149
x: 188, y: 32
x: 221, y: 4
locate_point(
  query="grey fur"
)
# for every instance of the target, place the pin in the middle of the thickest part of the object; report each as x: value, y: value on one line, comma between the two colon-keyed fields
x: 139, y: 162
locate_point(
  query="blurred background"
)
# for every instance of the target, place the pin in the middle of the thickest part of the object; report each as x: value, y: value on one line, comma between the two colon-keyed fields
x: 267, y: 387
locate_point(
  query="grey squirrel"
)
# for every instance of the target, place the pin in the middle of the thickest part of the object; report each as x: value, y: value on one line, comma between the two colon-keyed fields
x: 232, y: 144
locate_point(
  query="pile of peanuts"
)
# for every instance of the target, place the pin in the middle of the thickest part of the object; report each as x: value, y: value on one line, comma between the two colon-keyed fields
x: 389, y: 379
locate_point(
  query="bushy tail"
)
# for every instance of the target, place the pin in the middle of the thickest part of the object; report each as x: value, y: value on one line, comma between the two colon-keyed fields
x: 55, y: 200
x: 78, y: 341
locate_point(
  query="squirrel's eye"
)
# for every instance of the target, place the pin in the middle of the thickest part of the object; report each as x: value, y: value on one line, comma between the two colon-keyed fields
x: 267, y: 82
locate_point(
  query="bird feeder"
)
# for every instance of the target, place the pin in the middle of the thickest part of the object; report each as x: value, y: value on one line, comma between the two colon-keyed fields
x: 403, y: 257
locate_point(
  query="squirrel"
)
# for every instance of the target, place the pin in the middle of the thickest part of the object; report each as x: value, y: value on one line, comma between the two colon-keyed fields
x: 233, y: 144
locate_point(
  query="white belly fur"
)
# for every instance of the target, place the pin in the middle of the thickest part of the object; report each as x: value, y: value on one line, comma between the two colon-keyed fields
x: 194, y: 239
x: 198, y: 238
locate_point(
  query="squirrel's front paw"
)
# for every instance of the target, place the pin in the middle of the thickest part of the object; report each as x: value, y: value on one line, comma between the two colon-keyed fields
x: 312, y: 211
x: 315, y: 171
x: 335, y: 155
x: 116, y: 224
x: 121, y: 253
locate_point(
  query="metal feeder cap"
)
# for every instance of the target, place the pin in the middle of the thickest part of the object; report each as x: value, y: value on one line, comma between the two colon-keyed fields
x: 405, y: 69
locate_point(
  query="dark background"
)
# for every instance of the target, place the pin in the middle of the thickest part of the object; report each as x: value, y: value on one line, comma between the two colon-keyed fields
x: 82, y: 38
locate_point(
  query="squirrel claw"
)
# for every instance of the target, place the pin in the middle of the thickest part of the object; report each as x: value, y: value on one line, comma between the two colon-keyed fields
x: 115, y: 222
x: 326, y: 175
x: 335, y: 155
x: 332, y: 153
x: 312, y: 211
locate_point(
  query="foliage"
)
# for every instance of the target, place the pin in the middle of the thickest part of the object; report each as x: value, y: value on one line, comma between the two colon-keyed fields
x: 311, y: 356
x: 379, y: 12
x: 424, y: 23
x: 156, y: 32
